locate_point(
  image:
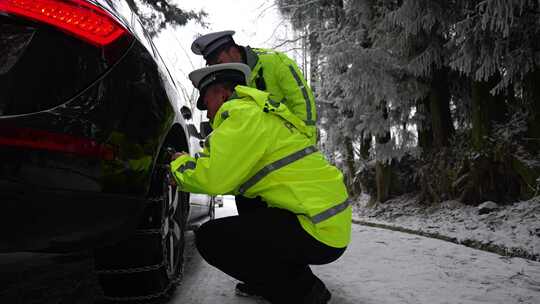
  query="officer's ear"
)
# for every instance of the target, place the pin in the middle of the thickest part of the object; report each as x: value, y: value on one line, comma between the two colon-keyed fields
x: 227, y: 89
x: 226, y: 93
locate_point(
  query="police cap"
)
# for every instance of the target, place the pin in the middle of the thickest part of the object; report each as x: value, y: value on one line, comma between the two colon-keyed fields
x: 204, y: 77
x: 208, y: 43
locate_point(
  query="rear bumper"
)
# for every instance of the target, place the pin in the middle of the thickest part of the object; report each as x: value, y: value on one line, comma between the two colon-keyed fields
x: 33, y: 219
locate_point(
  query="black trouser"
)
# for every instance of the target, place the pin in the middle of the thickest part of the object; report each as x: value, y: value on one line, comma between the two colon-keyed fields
x: 267, y: 249
x: 245, y: 205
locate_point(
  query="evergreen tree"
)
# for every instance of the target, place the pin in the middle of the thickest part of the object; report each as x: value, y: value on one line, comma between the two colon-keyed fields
x: 429, y: 76
x: 155, y: 15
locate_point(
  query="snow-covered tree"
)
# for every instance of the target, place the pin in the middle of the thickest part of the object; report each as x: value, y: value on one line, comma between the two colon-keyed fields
x: 157, y: 14
x: 397, y: 77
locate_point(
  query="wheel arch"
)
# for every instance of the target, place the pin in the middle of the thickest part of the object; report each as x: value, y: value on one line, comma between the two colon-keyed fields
x: 177, y: 138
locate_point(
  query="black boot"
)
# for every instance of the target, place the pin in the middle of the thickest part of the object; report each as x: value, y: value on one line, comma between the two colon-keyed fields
x: 318, y: 294
x: 245, y: 290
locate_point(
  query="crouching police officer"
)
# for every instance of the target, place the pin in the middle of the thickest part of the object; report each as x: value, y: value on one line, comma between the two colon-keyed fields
x: 271, y: 71
x: 259, y: 148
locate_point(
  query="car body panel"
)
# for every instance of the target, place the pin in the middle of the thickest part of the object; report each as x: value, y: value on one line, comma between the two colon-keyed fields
x: 59, y: 201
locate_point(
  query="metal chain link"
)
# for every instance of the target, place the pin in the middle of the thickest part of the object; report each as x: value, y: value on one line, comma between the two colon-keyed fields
x: 143, y: 268
x: 173, y: 282
x: 147, y: 231
x: 156, y: 199
x: 148, y: 297
x: 136, y: 299
x: 132, y: 270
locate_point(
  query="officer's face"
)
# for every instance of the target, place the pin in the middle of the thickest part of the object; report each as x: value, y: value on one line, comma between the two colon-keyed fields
x: 226, y: 56
x: 215, y: 96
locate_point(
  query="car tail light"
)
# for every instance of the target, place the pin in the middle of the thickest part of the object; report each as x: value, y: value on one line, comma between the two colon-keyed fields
x: 76, y: 17
x: 44, y: 140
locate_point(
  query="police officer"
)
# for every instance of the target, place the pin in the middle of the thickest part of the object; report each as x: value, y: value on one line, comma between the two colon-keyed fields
x: 260, y: 148
x: 271, y: 71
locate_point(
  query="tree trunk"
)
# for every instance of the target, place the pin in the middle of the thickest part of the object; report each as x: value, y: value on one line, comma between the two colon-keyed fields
x: 486, y: 109
x: 314, y: 50
x: 315, y: 80
x: 488, y: 178
x: 383, y: 171
x: 304, y: 45
x: 531, y: 94
x: 339, y: 13
x: 366, y: 145
x: 441, y: 119
x: 383, y: 177
x: 425, y: 132
x: 349, y: 166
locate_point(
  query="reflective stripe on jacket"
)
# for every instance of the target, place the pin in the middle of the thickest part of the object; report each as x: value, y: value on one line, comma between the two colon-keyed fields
x: 279, y: 75
x: 259, y: 148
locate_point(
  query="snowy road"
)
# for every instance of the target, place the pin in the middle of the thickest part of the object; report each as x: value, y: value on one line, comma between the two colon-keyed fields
x: 382, y: 267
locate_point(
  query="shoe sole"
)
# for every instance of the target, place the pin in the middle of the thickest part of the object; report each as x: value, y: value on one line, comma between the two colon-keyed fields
x: 243, y: 294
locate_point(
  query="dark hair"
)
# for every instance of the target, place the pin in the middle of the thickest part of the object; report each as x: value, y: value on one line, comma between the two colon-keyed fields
x: 230, y: 85
x: 229, y: 82
x: 225, y: 47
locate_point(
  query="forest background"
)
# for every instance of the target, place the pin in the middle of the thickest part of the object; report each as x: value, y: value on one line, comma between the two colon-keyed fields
x: 437, y: 98
x: 440, y: 99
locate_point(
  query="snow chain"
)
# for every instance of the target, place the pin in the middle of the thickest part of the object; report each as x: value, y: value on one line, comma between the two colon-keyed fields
x: 146, y: 297
x: 147, y: 231
x: 132, y: 270
x: 153, y: 296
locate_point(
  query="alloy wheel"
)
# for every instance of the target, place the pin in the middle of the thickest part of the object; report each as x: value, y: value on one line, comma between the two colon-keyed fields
x: 172, y: 226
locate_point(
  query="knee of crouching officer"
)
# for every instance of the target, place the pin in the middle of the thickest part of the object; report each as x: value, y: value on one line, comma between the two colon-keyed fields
x: 205, y: 240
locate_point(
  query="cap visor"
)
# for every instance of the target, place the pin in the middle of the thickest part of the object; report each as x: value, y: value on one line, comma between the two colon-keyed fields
x: 200, y: 104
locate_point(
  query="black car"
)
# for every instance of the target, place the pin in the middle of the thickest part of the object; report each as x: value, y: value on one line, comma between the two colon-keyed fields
x: 89, y: 115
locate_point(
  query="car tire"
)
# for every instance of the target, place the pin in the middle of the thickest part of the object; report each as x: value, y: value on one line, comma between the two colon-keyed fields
x: 149, y: 264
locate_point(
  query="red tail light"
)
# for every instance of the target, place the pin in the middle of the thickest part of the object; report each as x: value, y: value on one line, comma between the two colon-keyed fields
x: 76, y: 17
x: 44, y: 140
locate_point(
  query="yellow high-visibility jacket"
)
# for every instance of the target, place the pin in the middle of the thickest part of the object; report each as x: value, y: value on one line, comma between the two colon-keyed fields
x: 259, y: 148
x: 275, y: 73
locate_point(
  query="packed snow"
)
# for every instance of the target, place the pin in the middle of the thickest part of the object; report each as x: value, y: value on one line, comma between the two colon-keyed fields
x: 515, y: 227
x: 388, y: 267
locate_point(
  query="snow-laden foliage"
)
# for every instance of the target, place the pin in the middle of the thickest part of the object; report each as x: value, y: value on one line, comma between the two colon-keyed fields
x: 496, y: 37
x: 509, y: 141
x: 362, y: 77
x: 416, y: 31
x: 399, y: 77
x: 155, y: 15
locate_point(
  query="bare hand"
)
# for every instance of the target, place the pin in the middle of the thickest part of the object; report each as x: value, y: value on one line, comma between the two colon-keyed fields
x: 172, y: 181
x: 177, y: 155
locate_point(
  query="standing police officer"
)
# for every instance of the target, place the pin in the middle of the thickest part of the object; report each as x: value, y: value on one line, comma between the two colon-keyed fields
x: 259, y: 148
x: 271, y: 71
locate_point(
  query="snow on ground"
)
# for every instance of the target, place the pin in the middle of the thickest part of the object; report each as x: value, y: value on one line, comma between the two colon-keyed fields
x: 515, y: 227
x: 383, y: 266
x: 388, y: 267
